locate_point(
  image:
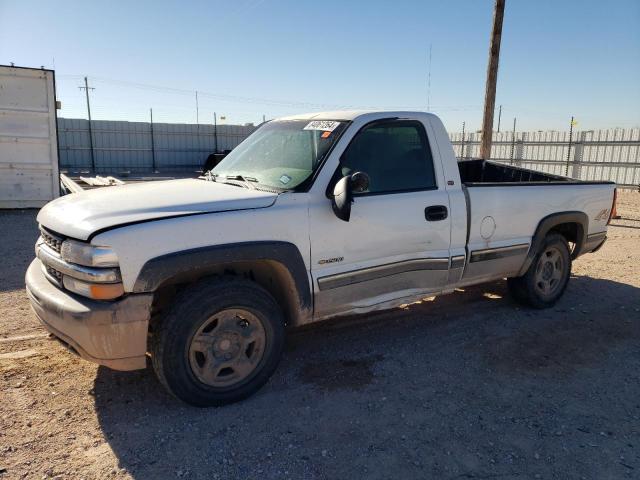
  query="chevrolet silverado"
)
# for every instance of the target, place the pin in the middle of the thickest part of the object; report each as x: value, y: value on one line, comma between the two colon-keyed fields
x: 311, y: 217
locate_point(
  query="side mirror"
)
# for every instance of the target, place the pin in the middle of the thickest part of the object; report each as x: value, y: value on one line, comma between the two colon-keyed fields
x: 359, y: 182
x: 343, y: 193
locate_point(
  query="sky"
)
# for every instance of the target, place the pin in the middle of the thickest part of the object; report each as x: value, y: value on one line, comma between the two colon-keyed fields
x: 253, y: 58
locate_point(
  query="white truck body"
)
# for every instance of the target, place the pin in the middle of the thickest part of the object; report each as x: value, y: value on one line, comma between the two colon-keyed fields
x: 28, y: 138
x: 395, y: 248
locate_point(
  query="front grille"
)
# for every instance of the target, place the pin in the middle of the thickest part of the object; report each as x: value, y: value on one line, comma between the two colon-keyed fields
x: 52, y: 240
x: 54, y: 273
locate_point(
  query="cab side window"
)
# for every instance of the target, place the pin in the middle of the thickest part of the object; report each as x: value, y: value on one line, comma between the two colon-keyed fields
x: 395, y: 154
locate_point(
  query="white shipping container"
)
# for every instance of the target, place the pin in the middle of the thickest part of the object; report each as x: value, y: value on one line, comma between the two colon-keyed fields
x: 28, y: 138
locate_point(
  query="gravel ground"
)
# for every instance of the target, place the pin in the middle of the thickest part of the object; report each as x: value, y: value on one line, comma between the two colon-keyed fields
x: 464, y: 386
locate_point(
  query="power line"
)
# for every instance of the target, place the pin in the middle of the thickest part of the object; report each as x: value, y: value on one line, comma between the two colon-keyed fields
x: 272, y: 102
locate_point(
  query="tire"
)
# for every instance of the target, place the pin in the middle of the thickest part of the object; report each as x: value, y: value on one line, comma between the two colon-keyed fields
x: 218, y: 342
x: 547, y: 277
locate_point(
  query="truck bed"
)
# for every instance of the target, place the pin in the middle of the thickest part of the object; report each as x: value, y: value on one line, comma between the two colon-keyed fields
x: 505, y: 204
x: 480, y: 172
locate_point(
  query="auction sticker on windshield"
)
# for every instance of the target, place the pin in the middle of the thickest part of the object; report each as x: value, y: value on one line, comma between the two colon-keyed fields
x: 324, y: 125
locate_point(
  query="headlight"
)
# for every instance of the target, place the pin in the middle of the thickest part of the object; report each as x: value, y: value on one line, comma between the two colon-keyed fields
x: 97, y: 291
x: 88, y: 255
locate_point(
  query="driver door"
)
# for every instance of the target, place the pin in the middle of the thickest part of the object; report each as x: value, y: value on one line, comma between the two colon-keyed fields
x: 392, y: 248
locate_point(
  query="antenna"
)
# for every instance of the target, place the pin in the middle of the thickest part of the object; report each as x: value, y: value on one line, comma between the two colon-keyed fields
x: 197, y: 110
x: 429, y: 80
x: 86, y: 89
x: 215, y: 131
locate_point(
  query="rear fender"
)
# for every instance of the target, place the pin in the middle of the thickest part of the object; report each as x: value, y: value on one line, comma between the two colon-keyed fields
x: 549, y: 223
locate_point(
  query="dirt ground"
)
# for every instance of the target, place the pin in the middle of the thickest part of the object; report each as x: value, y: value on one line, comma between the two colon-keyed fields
x: 468, y: 385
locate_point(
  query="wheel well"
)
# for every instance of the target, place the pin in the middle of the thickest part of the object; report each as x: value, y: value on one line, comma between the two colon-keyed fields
x: 572, y: 232
x: 271, y: 275
x: 571, y: 225
x: 567, y: 230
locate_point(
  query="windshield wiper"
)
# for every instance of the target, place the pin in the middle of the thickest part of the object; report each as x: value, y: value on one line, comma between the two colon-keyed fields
x: 209, y: 176
x: 246, y: 180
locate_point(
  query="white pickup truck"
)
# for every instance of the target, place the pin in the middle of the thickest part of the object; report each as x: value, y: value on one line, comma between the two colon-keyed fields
x: 311, y: 217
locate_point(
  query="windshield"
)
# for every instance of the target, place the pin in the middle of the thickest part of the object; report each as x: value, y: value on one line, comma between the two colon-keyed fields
x: 282, y: 153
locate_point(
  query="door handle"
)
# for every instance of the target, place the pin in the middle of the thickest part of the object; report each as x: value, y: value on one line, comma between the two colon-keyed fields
x: 435, y: 213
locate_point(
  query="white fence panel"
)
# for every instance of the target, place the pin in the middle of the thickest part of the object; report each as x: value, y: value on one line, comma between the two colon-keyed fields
x: 612, y: 154
x: 134, y: 146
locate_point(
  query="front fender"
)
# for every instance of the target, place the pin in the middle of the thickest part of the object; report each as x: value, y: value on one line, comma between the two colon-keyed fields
x: 191, y: 264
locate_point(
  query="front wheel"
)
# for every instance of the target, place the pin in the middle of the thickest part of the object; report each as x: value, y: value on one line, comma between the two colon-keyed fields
x: 547, y: 277
x: 219, y: 342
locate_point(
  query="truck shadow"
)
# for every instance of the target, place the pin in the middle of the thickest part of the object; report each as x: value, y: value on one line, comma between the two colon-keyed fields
x: 372, y: 394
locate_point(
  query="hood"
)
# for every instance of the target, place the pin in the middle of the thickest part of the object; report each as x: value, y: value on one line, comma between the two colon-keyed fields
x: 79, y: 215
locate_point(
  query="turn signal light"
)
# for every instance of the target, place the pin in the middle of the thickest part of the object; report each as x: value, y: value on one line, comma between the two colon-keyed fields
x: 97, y: 291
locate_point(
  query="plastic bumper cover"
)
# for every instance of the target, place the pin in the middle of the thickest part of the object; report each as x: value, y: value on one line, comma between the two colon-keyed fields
x: 111, y: 333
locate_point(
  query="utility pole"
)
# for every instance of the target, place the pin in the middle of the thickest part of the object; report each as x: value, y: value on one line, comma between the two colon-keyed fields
x: 566, y: 171
x: 86, y: 89
x: 499, y: 116
x: 492, y: 80
x: 462, y: 146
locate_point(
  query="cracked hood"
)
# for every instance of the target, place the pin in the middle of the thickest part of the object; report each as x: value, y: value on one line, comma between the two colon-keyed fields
x: 78, y: 215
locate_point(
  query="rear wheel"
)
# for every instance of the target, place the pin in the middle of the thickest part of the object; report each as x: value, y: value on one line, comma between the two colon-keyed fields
x: 547, y: 277
x: 219, y: 342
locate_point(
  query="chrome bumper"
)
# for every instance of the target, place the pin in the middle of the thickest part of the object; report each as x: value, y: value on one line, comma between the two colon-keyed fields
x: 111, y: 333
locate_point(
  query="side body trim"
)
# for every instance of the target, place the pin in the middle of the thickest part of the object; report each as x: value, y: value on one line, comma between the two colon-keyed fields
x: 380, y: 271
x: 199, y: 261
x: 596, y: 237
x: 594, y: 242
x: 457, y: 261
x: 500, y: 252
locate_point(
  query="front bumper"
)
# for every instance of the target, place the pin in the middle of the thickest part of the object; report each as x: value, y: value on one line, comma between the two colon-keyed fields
x: 111, y: 333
